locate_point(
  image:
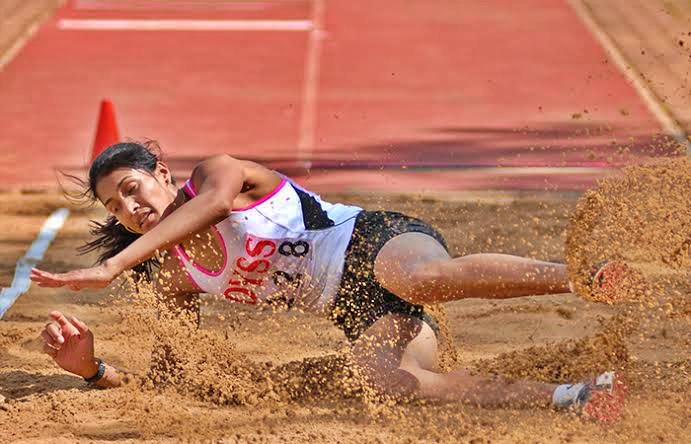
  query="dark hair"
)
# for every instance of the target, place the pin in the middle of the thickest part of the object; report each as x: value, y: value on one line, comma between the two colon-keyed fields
x: 111, y: 237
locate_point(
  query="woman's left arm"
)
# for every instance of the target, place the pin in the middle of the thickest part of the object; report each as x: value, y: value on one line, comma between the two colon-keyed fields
x: 218, y: 181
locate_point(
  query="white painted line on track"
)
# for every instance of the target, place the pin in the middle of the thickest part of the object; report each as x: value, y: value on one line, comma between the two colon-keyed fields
x: 556, y: 171
x: 169, y: 5
x: 21, y: 282
x: 663, y: 115
x: 484, y: 169
x: 183, y: 25
x: 308, y: 109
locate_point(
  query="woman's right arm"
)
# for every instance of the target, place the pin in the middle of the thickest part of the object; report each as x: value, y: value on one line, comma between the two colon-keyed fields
x: 71, y: 343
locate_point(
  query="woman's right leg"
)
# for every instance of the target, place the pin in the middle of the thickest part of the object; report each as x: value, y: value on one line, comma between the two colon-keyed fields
x: 417, y: 268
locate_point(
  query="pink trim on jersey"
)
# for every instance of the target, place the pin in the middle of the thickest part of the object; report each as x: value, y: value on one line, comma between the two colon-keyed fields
x: 188, y: 188
x: 263, y: 199
x: 178, y: 252
x: 201, y: 267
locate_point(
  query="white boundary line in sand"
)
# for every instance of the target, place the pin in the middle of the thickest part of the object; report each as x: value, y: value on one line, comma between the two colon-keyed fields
x: 654, y: 104
x: 13, y: 50
x: 23, y: 39
x: 308, y: 108
x: 21, y: 282
x: 182, y: 25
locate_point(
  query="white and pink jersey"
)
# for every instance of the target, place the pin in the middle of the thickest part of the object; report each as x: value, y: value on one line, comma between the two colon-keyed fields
x: 286, y: 248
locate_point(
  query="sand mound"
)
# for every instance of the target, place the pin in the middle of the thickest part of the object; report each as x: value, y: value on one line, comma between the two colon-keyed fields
x: 642, y: 217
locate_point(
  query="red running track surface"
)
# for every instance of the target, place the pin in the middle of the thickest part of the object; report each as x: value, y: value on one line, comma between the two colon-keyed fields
x: 448, y: 85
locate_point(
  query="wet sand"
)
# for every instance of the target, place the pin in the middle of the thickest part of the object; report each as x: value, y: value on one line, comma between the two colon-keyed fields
x: 254, y: 376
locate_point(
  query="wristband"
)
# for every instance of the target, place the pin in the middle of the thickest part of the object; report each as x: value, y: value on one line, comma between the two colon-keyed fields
x: 99, y: 373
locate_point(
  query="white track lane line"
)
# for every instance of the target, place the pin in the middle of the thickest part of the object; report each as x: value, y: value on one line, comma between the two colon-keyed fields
x: 170, y: 5
x: 550, y: 171
x: 308, y: 110
x: 183, y: 25
x: 663, y: 115
x: 21, y: 282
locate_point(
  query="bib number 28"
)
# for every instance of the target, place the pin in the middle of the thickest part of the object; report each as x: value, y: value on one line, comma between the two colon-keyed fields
x: 297, y: 249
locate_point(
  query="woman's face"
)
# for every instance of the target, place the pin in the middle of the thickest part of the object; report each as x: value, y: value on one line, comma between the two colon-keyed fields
x: 135, y: 197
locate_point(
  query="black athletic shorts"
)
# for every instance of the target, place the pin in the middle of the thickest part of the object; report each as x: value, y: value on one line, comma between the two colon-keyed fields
x: 361, y: 300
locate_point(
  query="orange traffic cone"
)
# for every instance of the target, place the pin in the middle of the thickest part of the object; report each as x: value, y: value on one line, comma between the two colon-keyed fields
x: 107, y: 129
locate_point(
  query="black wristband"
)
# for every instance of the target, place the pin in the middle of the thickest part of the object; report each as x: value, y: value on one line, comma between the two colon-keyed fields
x: 99, y: 373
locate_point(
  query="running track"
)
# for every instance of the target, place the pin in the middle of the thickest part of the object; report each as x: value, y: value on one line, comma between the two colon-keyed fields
x: 364, y: 95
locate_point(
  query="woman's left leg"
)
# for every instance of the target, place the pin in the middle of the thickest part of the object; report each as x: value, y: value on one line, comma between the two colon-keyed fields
x: 417, y: 268
x: 398, y: 355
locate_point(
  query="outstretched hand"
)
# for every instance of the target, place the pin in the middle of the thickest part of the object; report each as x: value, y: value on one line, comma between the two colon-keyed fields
x: 99, y: 276
x: 70, y: 343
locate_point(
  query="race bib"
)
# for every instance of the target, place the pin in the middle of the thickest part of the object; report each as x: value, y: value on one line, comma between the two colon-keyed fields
x: 272, y: 271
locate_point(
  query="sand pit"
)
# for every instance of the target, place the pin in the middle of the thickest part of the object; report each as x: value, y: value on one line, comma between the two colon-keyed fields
x: 253, y: 376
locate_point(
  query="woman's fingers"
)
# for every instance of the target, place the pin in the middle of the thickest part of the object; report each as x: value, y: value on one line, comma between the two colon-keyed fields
x: 53, y: 336
x: 45, y: 279
x: 52, y: 339
x: 39, y: 274
x: 83, y: 329
x: 76, y: 279
x: 44, y: 276
x: 72, y: 279
x: 50, y: 284
x: 50, y: 351
x: 57, y: 332
x: 65, y: 325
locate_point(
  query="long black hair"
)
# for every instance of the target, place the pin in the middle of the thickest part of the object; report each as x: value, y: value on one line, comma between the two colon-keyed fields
x: 110, y: 236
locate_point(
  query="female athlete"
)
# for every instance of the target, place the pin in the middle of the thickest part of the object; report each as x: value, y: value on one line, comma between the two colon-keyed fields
x: 245, y: 232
